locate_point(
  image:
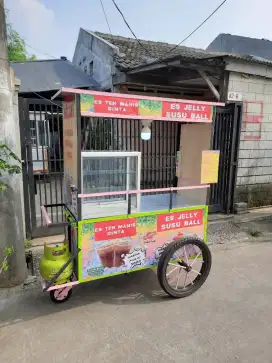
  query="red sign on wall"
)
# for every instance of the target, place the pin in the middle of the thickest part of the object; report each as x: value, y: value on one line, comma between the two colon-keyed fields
x: 253, y: 118
x: 114, y: 229
x: 172, y: 221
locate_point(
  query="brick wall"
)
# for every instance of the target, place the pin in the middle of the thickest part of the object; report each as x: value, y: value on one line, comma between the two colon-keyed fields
x: 254, y: 181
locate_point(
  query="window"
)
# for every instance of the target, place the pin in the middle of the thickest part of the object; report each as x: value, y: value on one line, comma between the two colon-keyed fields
x: 86, y: 69
x: 91, y: 66
x: 33, y: 136
x: 43, y: 133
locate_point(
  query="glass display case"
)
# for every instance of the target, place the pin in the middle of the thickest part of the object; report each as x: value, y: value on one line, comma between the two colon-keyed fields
x: 105, y: 172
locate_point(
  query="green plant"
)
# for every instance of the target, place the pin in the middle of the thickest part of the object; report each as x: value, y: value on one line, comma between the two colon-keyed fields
x: 28, y: 244
x: 7, y: 165
x: 4, y: 264
x: 255, y: 232
x: 16, y: 45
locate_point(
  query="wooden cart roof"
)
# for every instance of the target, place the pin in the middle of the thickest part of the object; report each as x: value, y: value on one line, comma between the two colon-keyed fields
x: 129, y: 106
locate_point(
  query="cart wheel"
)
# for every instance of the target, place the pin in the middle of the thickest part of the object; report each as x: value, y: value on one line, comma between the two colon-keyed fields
x: 59, y: 296
x: 184, y: 267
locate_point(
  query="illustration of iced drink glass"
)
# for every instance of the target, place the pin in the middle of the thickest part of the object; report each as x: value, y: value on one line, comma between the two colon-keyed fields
x: 121, y: 248
x: 106, y: 254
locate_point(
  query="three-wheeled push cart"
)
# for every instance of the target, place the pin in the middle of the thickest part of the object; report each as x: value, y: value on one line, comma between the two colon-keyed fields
x: 137, y: 172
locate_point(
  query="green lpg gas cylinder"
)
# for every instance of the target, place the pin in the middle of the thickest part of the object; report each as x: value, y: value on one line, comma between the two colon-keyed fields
x: 55, y: 256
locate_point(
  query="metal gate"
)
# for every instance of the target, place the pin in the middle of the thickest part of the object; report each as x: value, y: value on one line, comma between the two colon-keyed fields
x: 226, y: 137
x: 41, y: 145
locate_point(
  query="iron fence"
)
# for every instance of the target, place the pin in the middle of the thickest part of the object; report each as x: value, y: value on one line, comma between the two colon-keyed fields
x: 226, y: 138
x: 41, y: 146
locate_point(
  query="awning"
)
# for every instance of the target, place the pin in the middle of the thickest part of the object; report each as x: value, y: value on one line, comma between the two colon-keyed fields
x: 129, y: 106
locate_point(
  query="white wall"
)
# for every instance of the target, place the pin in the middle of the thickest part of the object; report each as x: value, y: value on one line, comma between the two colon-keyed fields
x: 90, y: 48
x: 254, y: 181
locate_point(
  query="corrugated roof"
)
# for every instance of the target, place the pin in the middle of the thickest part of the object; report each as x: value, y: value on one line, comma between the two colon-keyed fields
x: 244, y: 46
x: 48, y: 75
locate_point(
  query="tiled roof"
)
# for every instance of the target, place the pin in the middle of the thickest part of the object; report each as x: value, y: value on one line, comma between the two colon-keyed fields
x: 132, y: 54
x: 50, y: 75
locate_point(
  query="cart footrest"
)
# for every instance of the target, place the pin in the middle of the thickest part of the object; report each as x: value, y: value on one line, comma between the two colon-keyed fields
x: 56, y: 287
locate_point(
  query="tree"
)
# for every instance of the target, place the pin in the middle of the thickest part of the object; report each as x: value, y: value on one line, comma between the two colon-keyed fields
x: 8, y: 167
x: 16, y: 45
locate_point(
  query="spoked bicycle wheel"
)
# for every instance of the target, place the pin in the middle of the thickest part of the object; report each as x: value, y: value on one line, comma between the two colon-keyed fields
x: 184, y: 267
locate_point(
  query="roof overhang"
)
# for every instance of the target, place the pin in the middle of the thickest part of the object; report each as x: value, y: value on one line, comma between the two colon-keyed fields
x: 215, y: 64
x: 178, y: 71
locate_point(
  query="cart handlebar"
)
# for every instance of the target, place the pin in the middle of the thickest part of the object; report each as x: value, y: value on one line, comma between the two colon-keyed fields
x: 45, y: 216
x: 48, y: 220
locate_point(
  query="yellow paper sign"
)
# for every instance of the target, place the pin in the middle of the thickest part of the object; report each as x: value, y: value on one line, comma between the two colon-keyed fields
x: 209, y: 166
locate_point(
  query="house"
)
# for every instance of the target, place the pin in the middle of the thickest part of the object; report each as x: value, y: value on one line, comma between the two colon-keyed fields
x: 112, y: 61
x: 237, y: 44
x: 250, y: 76
x: 121, y: 64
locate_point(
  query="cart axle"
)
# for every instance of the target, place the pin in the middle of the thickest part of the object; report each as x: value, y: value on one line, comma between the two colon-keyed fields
x: 187, y: 267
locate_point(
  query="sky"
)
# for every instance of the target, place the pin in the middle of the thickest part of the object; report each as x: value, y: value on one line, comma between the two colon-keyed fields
x: 51, y: 27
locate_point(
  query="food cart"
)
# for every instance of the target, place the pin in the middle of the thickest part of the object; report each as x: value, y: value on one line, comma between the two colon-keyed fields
x: 113, y: 226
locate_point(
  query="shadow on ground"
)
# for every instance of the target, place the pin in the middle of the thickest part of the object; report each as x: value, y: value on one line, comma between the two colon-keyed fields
x: 132, y: 289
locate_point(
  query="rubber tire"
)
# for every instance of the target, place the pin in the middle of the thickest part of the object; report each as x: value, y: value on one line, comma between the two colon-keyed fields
x: 168, y: 253
x: 52, y: 297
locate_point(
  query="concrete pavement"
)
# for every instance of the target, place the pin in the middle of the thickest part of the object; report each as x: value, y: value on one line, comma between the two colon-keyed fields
x: 129, y: 319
